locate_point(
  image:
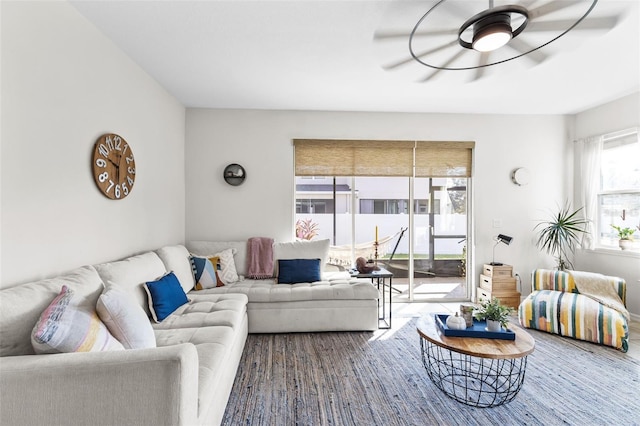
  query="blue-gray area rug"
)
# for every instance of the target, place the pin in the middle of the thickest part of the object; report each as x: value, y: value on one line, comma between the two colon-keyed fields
x: 365, y: 378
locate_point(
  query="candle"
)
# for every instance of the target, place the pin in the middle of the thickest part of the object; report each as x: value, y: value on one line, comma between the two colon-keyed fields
x: 376, y: 233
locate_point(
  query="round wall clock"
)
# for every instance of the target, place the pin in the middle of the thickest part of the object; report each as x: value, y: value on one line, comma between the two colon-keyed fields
x: 114, y: 168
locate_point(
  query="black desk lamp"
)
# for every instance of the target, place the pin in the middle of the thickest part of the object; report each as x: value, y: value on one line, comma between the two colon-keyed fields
x: 505, y: 239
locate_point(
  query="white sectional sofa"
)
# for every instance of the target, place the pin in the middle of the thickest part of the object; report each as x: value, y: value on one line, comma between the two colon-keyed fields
x: 186, y: 378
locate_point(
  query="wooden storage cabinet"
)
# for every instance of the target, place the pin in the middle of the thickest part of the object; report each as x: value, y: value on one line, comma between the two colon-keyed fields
x: 498, y: 281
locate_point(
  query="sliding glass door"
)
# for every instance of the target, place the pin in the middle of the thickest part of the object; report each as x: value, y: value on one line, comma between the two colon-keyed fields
x: 353, y: 211
x: 440, y: 237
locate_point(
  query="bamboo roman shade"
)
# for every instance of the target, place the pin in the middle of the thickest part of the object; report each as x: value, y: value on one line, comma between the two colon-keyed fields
x: 322, y: 157
x: 443, y: 159
x: 316, y: 157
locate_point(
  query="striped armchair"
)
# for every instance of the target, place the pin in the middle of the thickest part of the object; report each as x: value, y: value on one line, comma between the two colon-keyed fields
x: 556, y: 306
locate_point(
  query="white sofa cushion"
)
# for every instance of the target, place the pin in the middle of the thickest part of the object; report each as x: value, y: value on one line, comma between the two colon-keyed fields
x: 214, y: 345
x: 125, y: 319
x: 131, y: 273
x: 300, y: 250
x: 176, y: 259
x: 66, y: 326
x: 21, y: 306
x: 338, y: 286
x: 212, y: 310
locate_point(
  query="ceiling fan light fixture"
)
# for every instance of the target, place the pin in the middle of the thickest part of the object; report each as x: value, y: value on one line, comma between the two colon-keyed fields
x: 491, y: 29
x: 492, y: 33
x: 492, y: 40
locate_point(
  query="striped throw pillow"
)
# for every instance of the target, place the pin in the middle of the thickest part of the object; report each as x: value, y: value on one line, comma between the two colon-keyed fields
x: 66, y: 326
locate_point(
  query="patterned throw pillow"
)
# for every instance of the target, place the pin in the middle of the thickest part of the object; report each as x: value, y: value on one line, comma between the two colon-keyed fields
x: 67, y: 327
x: 165, y: 296
x: 205, y: 272
x: 228, y: 271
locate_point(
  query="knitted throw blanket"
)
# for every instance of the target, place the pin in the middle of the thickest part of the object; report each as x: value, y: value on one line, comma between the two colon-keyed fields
x: 598, y: 287
x: 260, y: 258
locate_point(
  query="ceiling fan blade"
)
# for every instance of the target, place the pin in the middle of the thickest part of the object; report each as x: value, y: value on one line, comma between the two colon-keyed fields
x: 522, y: 47
x: 550, y: 7
x: 382, y: 35
x: 601, y: 23
x: 527, y: 3
x: 446, y: 64
x: 456, y: 10
x: 422, y: 54
x: 484, y: 60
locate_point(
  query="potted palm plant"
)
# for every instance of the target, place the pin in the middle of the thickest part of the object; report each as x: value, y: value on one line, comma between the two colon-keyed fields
x: 496, y: 314
x: 560, y: 235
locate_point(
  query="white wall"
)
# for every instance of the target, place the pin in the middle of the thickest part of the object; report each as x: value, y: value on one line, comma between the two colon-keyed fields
x: 63, y: 85
x: 263, y: 205
x: 618, y: 115
x: 623, y: 113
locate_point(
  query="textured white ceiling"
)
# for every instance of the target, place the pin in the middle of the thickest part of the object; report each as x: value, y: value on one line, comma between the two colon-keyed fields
x: 322, y: 55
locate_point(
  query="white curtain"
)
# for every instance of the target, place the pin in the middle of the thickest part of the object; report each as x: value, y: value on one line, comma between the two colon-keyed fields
x: 589, y: 151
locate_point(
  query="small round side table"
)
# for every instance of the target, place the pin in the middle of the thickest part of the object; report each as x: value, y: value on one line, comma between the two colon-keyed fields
x: 479, y: 372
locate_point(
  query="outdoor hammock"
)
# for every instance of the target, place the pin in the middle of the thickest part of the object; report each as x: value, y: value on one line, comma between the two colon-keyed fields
x: 341, y: 255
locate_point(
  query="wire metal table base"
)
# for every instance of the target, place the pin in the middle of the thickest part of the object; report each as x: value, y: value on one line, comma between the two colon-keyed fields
x: 475, y: 381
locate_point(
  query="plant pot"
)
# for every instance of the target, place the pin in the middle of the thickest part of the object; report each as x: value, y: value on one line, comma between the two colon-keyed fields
x: 493, y: 325
x: 626, y: 244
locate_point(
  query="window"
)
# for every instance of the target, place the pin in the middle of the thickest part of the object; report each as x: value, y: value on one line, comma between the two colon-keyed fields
x: 314, y: 206
x: 619, y: 189
x: 368, y: 206
x: 384, y: 206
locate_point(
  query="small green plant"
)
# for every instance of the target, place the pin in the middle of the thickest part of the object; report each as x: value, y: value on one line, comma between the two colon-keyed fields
x: 493, y: 310
x: 306, y: 229
x: 624, y: 233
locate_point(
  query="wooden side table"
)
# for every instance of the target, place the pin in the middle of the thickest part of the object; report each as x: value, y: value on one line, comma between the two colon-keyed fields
x: 379, y: 277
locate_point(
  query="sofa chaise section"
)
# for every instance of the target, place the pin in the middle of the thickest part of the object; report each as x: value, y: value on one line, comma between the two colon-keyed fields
x: 338, y: 302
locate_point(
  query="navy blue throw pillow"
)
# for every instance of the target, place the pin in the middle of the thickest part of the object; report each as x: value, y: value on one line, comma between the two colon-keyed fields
x: 165, y: 296
x: 291, y: 271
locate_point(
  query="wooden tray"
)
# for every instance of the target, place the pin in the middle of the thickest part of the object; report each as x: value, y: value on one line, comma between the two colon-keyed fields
x: 478, y: 329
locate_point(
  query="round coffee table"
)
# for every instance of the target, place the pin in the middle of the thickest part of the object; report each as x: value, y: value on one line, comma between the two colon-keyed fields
x: 475, y: 371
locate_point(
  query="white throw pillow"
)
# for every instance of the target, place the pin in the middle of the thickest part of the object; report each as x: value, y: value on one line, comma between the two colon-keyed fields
x: 228, y: 273
x: 302, y: 249
x: 67, y: 326
x: 125, y: 319
x: 176, y: 259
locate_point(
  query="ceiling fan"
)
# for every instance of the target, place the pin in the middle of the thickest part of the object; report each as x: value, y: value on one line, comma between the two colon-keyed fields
x: 454, y: 35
